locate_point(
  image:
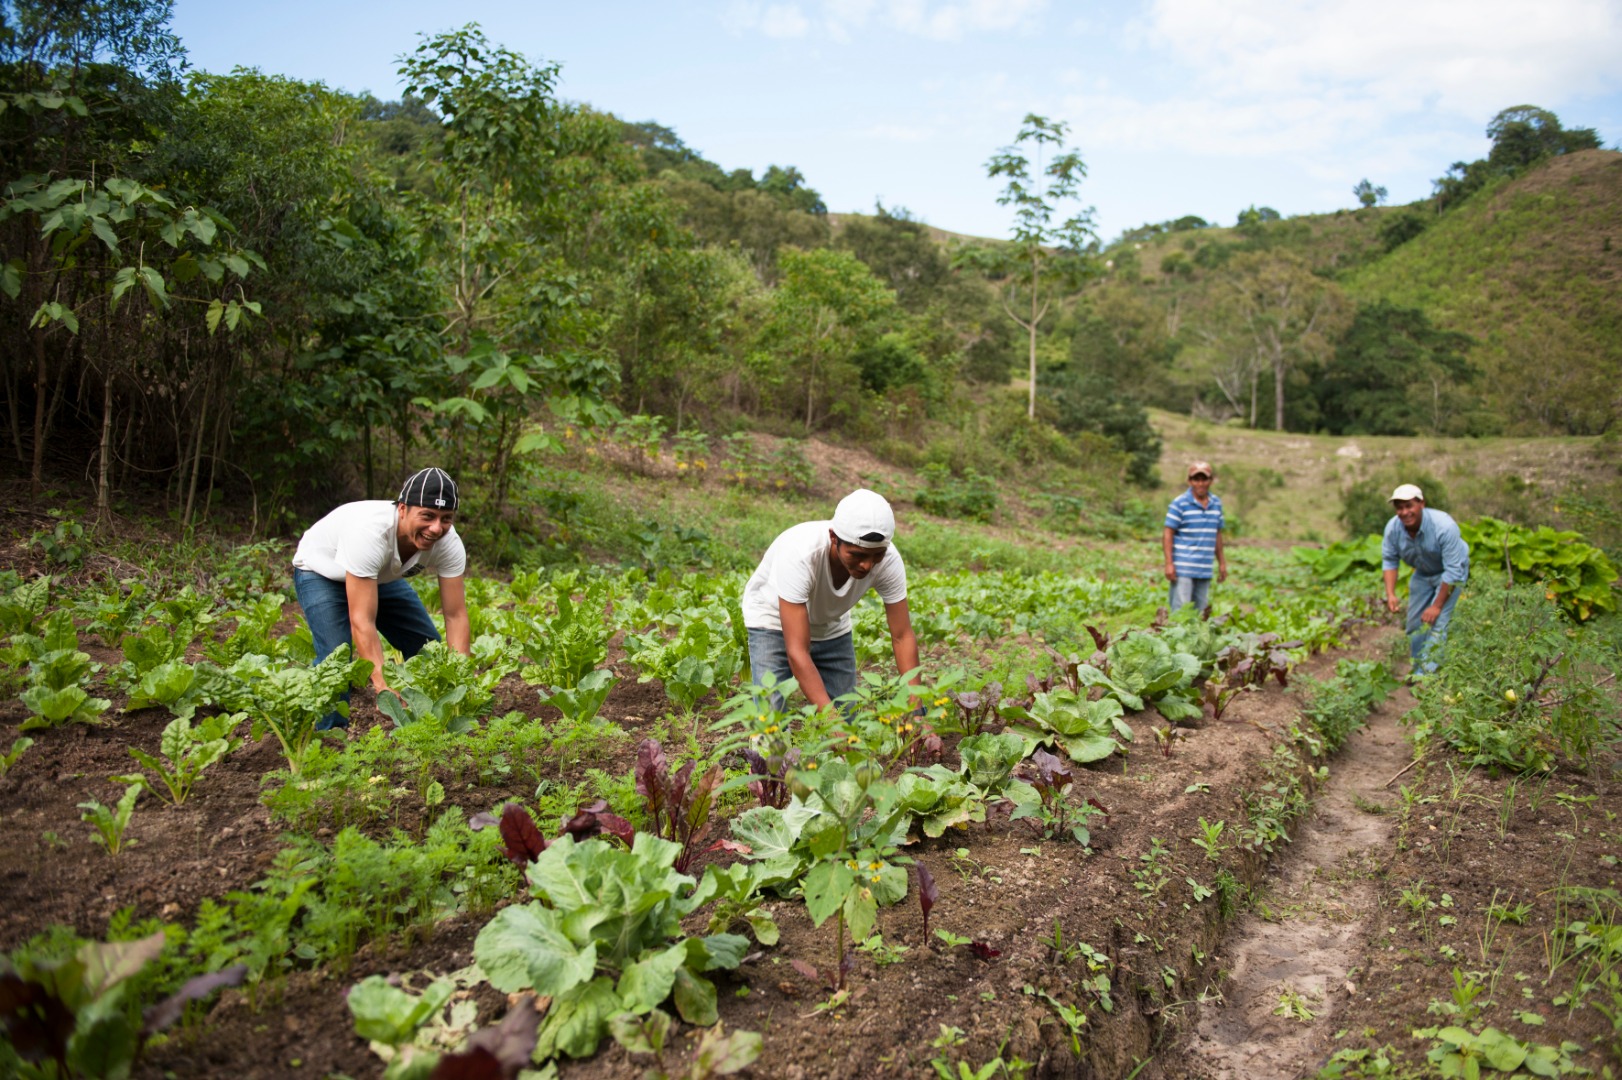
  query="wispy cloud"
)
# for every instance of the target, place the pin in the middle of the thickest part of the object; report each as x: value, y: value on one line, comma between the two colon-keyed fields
x: 770, y: 20
x: 899, y: 133
x: 840, y: 20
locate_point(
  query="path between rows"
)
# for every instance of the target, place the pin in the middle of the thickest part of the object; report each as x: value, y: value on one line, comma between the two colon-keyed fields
x: 1306, y: 928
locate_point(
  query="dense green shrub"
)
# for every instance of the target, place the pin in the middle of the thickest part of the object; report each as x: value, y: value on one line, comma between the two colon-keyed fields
x: 1520, y: 685
x: 1366, y: 506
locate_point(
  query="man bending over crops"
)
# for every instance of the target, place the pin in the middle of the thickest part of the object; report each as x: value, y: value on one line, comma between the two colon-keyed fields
x: 797, y: 603
x: 1429, y: 541
x: 1192, y: 540
x: 350, y: 570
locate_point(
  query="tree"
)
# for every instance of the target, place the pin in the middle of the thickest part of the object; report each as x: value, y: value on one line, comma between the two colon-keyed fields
x: 1525, y: 134
x: 1393, y: 374
x: 1289, y: 313
x: 827, y: 306
x: 1367, y: 194
x: 900, y: 251
x: 1036, y: 191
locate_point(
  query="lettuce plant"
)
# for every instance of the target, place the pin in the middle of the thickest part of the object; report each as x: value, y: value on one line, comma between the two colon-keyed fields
x: 1087, y: 730
x: 604, y: 937
x: 717, y: 1053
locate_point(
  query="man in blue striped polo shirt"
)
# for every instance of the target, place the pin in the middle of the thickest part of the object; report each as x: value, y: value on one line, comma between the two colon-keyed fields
x: 1192, y: 540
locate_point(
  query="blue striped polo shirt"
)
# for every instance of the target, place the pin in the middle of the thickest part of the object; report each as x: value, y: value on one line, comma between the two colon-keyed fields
x: 1195, y: 529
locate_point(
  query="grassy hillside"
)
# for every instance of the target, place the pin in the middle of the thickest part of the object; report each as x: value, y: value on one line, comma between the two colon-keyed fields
x: 1531, y: 269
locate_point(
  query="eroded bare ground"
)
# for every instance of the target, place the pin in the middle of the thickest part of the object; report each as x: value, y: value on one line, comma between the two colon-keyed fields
x: 1274, y: 1013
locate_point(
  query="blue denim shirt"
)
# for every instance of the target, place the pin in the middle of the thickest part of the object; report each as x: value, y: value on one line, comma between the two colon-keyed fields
x: 1436, y: 549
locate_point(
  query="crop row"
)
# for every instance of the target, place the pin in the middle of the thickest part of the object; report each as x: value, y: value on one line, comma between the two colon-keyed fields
x: 838, y: 793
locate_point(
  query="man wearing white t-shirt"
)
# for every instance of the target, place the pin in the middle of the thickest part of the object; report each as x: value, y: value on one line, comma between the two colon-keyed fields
x: 350, y: 570
x: 797, y: 603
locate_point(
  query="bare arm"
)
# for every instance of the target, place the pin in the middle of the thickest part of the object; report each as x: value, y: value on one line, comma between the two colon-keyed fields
x: 902, y: 639
x: 362, y: 595
x: 797, y: 643
x: 1391, y: 603
x: 1222, y: 559
x: 453, y: 603
x: 1166, y: 537
x: 1434, y: 612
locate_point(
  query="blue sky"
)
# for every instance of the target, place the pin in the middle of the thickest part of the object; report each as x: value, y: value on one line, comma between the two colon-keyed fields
x: 1177, y: 106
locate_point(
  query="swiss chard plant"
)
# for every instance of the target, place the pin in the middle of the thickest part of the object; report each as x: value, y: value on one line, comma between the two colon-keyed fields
x: 580, y: 704
x: 58, y: 676
x: 289, y: 702
x: 407, y: 705
x: 567, y: 647
x: 185, y: 750
x: 22, y: 604
x: 1052, y: 813
x: 111, y: 824
x: 604, y: 937
x: 677, y: 805
x: 977, y: 709
x: 173, y: 684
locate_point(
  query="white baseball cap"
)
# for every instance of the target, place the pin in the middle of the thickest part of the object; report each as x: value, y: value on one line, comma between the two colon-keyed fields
x: 864, y: 517
x: 1405, y: 492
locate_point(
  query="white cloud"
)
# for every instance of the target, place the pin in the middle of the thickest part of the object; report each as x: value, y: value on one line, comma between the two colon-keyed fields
x: 774, y: 21
x: 1469, y: 59
x: 784, y: 21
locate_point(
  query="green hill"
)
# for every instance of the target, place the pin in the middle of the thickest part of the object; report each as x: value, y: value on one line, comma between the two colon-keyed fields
x: 1530, y: 269
x: 1527, y: 267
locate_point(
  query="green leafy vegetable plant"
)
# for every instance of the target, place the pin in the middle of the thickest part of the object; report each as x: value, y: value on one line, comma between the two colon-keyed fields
x: 1087, y: 730
x: 81, y: 1016
x: 186, y: 751
x: 604, y: 937
x: 288, y: 702
x: 718, y: 1053
x: 111, y: 825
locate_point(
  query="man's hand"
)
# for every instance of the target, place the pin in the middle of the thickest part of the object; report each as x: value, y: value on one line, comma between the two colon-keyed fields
x: 1171, y: 572
x: 1430, y: 614
x: 1222, y: 572
x: 1392, y: 604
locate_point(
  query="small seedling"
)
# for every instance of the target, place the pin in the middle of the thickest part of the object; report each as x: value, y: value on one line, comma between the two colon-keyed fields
x: 111, y: 825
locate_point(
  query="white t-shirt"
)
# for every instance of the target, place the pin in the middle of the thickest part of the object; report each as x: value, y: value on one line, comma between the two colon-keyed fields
x: 795, y: 568
x: 362, y: 538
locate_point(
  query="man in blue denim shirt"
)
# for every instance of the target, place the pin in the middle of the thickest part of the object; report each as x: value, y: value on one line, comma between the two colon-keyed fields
x: 1429, y: 541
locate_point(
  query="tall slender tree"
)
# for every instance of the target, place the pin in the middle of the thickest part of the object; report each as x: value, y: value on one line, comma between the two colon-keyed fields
x: 1041, y: 243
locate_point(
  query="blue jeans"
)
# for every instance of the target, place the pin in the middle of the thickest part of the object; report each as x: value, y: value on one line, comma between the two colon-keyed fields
x: 834, y: 659
x: 401, y: 619
x: 1427, y: 643
x: 1190, y: 590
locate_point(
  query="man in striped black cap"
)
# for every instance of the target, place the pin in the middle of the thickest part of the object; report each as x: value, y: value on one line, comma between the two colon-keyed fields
x: 350, y: 570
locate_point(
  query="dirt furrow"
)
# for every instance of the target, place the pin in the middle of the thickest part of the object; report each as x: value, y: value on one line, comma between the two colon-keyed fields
x: 1274, y: 1012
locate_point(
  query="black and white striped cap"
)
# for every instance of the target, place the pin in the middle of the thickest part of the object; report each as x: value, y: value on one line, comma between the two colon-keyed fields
x: 429, y: 487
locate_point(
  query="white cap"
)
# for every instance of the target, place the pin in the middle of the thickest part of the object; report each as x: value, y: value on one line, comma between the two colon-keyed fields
x: 1405, y: 492
x: 864, y: 517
